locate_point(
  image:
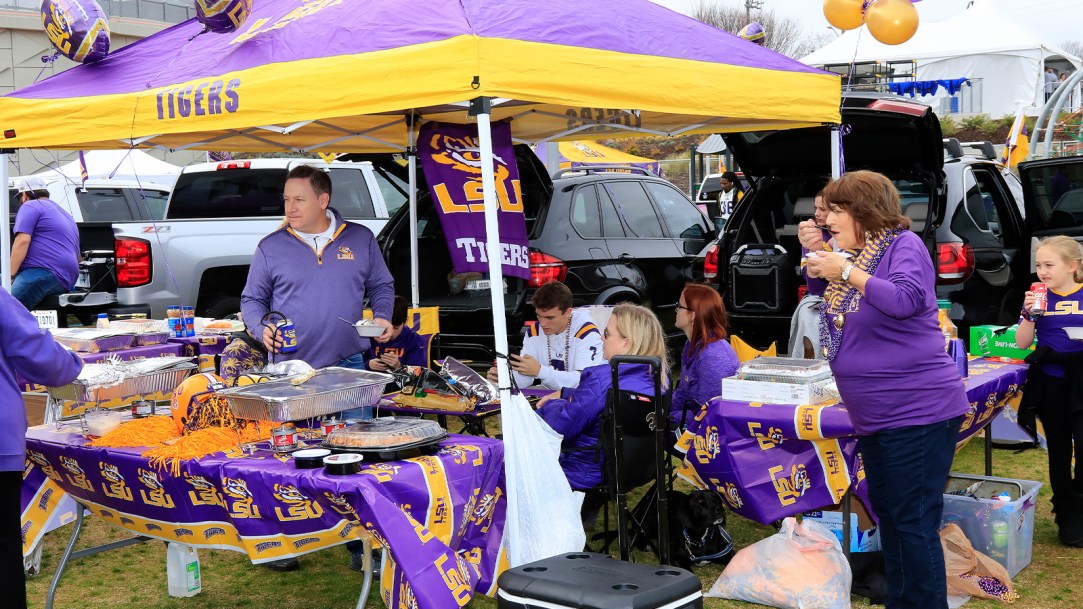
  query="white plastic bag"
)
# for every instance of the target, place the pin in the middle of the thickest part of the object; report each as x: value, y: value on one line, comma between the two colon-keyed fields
x: 543, y: 510
x: 800, y: 567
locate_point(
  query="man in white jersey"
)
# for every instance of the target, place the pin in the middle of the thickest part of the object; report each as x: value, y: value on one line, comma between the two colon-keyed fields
x: 559, y: 346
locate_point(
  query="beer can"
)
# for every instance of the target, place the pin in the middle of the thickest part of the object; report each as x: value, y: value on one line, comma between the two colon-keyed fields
x: 287, y: 333
x: 1041, y: 299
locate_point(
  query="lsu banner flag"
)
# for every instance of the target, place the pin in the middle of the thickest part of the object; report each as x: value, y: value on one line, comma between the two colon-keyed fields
x: 83, y: 174
x: 451, y: 159
x: 1017, y: 146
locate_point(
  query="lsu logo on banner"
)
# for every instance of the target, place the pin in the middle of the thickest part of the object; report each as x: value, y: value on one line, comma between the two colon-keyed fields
x: 463, y: 154
x: 201, y: 99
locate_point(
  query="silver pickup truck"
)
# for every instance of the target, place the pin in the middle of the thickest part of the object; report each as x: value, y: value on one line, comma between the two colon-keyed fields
x: 216, y: 215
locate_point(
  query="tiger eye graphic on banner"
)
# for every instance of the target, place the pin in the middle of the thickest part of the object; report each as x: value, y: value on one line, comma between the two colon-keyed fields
x: 451, y: 159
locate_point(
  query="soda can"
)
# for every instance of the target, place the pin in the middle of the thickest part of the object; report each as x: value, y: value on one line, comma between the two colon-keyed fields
x: 1041, y: 299
x: 287, y: 333
x: 188, y: 314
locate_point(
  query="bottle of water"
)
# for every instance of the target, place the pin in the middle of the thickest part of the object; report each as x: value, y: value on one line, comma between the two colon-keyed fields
x: 182, y: 570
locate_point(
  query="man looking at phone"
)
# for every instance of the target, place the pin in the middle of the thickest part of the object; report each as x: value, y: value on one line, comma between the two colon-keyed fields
x: 404, y: 348
x: 559, y: 346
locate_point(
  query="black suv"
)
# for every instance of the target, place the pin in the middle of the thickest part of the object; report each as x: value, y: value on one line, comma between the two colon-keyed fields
x: 611, y: 236
x: 965, y: 207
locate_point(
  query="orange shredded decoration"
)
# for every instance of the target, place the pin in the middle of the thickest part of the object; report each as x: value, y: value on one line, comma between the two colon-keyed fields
x: 149, y: 431
x: 193, y: 445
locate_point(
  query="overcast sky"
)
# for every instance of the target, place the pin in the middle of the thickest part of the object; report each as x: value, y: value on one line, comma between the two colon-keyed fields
x: 1058, y: 20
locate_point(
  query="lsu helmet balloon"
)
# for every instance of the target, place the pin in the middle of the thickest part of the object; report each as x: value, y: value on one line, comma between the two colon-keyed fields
x: 221, y: 16
x: 78, y: 29
x: 753, y: 32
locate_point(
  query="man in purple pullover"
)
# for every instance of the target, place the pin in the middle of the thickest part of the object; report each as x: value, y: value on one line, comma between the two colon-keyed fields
x: 39, y: 359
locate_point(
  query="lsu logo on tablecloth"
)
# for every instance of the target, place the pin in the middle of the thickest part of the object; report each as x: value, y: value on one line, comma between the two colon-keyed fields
x: 114, y: 485
x: 300, y: 506
x: 407, y: 599
x: 75, y: 474
x: 157, y: 495
x: 732, y: 496
x: 341, y: 505
x: 708, y: 446
x: 456, y: 578
x: 203, y: 493
x: 243, y: 506
x: 484, y: 509
x: 767, y: 441
x: 46, y: 467
x: 461, y: 454
x: 383, y: 472
x: 790, y: 488
x: 968, y: 418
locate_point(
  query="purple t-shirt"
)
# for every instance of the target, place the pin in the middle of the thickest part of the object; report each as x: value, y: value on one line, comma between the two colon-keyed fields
x: 892, y: 370
x: 409, y: 346
x: 54, y: 239
x: 1062, y: 311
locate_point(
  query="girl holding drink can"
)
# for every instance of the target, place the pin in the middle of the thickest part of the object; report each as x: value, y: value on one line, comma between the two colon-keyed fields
x: 1054, y: 389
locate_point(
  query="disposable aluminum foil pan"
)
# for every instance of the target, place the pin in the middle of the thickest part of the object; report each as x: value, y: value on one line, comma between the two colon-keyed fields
x: 86, y: 344
x: 151, y: 338
x: 163, y: 381
x: 330, y: 390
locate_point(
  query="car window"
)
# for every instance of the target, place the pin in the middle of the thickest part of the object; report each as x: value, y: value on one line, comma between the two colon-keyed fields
x: 350, y: 193
x: 152, y: 202
x: 995, y: 198
x: 228, y: 193
x: 710, y: 187
x: 103, y: 205
x: 584, y: 212
x: 611, y: 224
x: 636, y: 209
x: 394, y: 190
x: 971, y: 220
x: 1057, y: 191
x: 684, y: 220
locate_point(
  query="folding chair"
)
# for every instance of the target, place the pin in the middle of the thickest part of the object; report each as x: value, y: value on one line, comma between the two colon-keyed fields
x: 632, y: 440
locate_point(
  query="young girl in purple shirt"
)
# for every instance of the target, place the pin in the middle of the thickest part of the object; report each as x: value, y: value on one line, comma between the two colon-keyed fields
x: 1054, y: 389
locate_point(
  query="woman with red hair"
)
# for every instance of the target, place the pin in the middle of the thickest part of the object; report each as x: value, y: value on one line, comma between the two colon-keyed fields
x: 707, y: 357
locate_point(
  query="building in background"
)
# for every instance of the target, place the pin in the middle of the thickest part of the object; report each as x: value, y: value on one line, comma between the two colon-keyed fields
x: 23, y: 43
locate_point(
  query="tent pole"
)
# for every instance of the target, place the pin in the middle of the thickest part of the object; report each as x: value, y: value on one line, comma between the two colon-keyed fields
x: 481, y: 107
x: 836, y: 153
x: 5, y: 213
x: 411, y: 157
x: 1054, y: 105
x: 552, y: 158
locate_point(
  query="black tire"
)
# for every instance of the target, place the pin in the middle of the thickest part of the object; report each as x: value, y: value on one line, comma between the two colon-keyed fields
x: 222, y: 305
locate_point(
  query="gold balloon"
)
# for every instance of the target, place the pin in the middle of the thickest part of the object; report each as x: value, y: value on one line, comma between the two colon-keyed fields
x: 844, y: 14
x: 892, y: 21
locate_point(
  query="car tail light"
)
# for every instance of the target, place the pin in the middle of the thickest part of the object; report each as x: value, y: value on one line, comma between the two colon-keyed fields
x: 133, y: 262
x: 545, y: 268
x: 802, y: 291
x: 954, y: 263
x: 234, y: 165
x: 710, y: 263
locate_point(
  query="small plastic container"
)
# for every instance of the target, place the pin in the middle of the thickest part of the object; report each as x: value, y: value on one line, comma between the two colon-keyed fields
x: 103, y: 321
x: 182, y: 570
x: 1003, y: 530
x: 101, y: 422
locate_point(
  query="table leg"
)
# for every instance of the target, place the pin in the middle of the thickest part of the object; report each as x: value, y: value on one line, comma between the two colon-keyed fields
x: 847, y: 510
x: 366, y: 562
x: 989, y: 449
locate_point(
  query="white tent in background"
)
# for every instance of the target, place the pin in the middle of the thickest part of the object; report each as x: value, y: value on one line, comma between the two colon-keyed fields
x: 133, y: 165
x: 982, y: 42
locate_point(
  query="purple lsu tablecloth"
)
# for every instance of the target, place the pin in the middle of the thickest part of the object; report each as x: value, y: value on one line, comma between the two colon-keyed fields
x: 441, y: 517
x: 770, y: 461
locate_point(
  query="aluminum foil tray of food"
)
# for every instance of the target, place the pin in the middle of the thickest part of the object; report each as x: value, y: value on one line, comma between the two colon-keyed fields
x: 784, y: 370
x: 327, y: 391
x: 151, y: 338
x: 387, y: 438
x: 99, y: 382
x: 138, y: 326
x: 89, y: 340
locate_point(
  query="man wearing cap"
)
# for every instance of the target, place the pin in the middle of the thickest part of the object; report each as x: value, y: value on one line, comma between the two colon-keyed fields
x: 45, y: 252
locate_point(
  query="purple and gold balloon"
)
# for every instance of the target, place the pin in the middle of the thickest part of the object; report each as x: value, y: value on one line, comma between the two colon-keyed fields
x: 222, y: 16
x: 78, y: 29
x: 753, y: 32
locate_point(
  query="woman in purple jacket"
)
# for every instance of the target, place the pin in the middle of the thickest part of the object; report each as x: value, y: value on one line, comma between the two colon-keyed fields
x: 575, y: 413
x: 878, y: 328
x: 39, y: 359
x: 707, y: 357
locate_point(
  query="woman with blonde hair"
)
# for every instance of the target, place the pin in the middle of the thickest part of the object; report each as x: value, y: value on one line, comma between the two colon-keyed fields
x: 576, y: 413
x: 879, y: 331
x: 1054, y: 389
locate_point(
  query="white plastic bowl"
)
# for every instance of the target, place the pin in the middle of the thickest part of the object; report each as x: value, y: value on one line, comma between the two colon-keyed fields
x: 101, y: 422
x: 1075, y: 333
x: 368, y: 330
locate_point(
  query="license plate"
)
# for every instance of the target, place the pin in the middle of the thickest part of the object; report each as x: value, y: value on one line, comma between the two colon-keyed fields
x: 84, y: 280
x: 478, y: 284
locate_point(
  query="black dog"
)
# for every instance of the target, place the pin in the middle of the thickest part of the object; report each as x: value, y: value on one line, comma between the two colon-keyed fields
x: 696, y: 528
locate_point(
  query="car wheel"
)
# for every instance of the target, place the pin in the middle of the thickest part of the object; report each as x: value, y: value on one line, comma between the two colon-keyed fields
x: 221, y: 306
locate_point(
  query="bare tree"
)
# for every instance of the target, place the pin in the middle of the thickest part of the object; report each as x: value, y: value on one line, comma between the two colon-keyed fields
x: 784, y: 35
x: 1075, y: 47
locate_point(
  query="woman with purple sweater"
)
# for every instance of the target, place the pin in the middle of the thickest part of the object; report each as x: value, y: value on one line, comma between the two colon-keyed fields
x: 879, y: 330
x: 39, y: 359
x: 707, y: 357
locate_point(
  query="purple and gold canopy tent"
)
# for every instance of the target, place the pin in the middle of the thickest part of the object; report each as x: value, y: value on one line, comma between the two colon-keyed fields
x: 330, y: 75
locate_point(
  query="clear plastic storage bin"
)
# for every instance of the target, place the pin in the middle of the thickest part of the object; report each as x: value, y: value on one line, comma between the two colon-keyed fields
x: 1003, y: 530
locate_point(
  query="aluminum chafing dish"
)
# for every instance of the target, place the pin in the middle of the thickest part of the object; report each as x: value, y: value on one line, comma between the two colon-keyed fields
x: 130, y: 379
x: 89, y: 340
x: 328, y: 391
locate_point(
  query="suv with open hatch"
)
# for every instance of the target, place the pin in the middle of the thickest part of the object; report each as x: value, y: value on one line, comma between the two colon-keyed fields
x: 611, y: 236
x: 965, y: 207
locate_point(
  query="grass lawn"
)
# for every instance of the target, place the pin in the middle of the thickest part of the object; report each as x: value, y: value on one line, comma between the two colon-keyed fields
x: 135, y: 577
